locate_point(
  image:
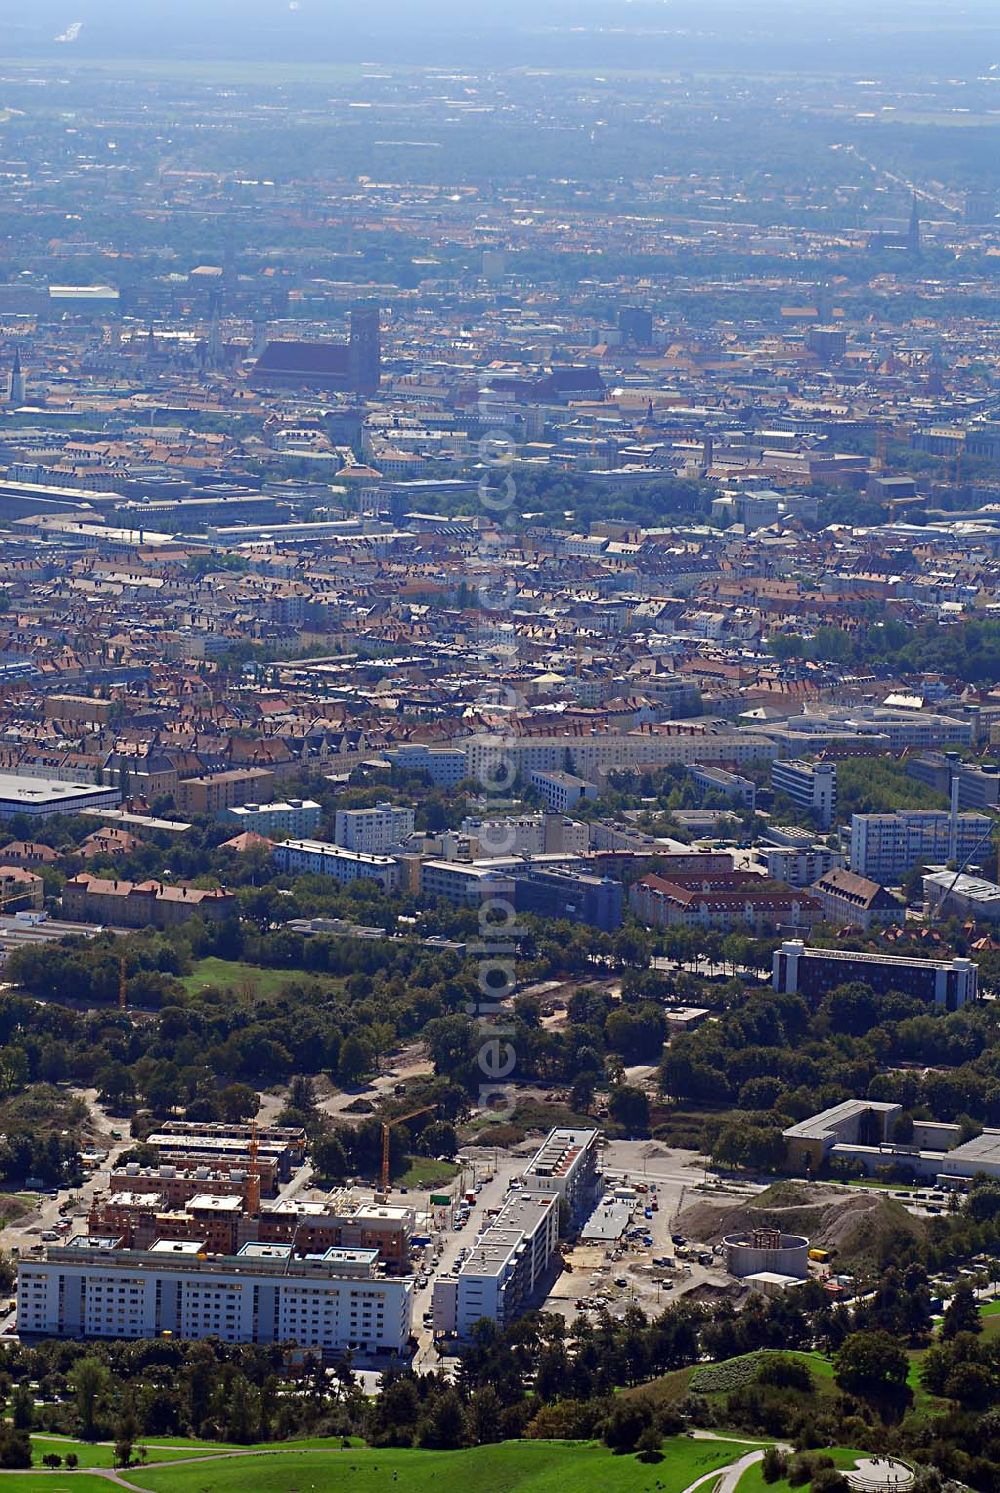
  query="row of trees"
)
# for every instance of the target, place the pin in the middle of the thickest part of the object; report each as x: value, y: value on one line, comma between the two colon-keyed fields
x: 969, y: 651
x: 771, y: 1059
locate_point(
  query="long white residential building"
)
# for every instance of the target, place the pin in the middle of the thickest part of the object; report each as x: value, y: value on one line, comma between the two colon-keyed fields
x: 504, y: 1267
x: 564, y: 1165
x: 320, y: 858
x: 512, y: 1259
x: 487, y: 757
x: 94, y: 1288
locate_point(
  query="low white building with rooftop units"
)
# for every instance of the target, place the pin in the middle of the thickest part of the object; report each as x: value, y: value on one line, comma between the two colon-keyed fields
x: 40, y: 798
x: 862, y: 1131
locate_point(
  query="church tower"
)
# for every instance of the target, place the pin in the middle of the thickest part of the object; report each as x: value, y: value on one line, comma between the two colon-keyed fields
x: 913, y: 231
x: 15, y: 392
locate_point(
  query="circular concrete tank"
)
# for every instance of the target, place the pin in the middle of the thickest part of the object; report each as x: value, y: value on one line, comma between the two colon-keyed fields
x: 767, y: 1250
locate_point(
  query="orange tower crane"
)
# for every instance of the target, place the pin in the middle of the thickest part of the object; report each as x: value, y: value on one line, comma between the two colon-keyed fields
x: 253, y: 1175
x: 387, y: 1126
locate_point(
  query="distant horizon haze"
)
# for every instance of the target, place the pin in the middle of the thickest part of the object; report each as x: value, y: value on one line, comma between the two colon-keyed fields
x: 723, y: 35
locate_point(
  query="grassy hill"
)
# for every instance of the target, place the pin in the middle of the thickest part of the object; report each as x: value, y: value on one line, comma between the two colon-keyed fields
x: 510, y: 1467
x: 714, y: 1381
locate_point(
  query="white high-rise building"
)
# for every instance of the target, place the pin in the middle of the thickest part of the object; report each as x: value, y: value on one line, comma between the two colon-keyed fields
x: 372, y: 831
x: 320, y: 858
x: 887, y: 847
x: 810, y: 785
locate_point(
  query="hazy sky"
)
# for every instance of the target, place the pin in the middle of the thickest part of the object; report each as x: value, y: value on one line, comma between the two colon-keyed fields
x: 728, y: 34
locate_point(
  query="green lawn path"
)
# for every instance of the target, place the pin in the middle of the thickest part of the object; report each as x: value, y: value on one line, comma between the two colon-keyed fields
x: 511, y: 1467
x: 752, y: 1480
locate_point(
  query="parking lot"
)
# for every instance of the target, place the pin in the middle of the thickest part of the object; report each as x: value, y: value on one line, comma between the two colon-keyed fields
x: 648, y: 1267
x: 607, y: 1274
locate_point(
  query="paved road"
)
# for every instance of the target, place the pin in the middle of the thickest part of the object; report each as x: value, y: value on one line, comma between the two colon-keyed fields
x: 480, y: 1163
x: 412, y: 1063
x: 25, y: 1234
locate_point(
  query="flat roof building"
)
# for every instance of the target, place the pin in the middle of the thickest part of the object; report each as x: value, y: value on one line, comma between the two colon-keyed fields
x: 887, y: 847
x: 508, y: 1265
x: 946, y: 983
x: 320, y: 858
x: 504, y: 1268
x: 566, y: 1164
x: 40, y: 798
x: 810, y: 785
x: 862, y: 1132
x: 951, y: 894
x: 294, y: 816
x: 96, y: 1288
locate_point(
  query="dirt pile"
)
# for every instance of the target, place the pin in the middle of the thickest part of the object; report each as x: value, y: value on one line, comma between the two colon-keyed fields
x: 858, y: 1224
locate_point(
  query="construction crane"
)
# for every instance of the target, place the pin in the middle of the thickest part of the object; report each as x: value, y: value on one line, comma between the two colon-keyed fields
x: 253, y: 1173
x: 387, y: 1126
x: 934, y: 910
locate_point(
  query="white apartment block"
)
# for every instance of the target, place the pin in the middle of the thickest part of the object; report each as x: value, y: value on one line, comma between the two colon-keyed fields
x: 603, y: 751
x: 565, y: 1164
x: 445, y: 766
x: 796, y: 866
x: 320, y: 858
x: 298, y: 816
x: 810, y: 785
x: 504, y: 1267
x: 717, y: 780
x: 526, y: 834
x: 464, y: 884
x: 93, y: 1288
x: 898, y: 728
x: 511, y: 1259
x: 372, y: 831
x: 561, y: 790
x: 887, y: 847
x: 520, y: 835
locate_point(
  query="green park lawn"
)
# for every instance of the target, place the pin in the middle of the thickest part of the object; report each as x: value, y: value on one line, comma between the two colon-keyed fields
x: 752, y: 1480
x: 512, y: 1467
x: 100, y: 1454
x: 56, y: 1482
x: 424, y: 1171
x: 990, y: 1314
x: 235, y: 977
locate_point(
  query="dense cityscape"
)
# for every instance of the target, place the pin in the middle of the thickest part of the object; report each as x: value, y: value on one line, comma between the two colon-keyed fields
x: 500, y: 748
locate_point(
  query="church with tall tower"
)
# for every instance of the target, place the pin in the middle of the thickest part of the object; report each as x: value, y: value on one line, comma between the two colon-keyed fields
x: 15, y: 386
